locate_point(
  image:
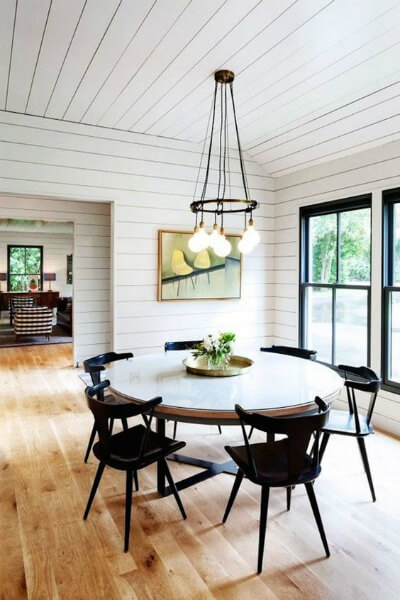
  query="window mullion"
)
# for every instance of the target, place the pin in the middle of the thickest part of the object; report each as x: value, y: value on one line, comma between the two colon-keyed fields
x: 389, y: 234
x: 338, y: 243
x: 390, y: 291
x: 333, y: 325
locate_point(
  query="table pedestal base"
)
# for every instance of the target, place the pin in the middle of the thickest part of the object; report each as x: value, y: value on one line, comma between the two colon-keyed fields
x: 210, y: 469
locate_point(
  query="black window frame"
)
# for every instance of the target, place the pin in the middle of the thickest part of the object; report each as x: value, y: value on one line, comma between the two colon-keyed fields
x: 9, y: 246
x: 325, y: 208
x: 389, y: 199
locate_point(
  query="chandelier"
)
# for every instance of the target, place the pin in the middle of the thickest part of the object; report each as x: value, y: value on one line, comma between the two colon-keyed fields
x: 222, y: 205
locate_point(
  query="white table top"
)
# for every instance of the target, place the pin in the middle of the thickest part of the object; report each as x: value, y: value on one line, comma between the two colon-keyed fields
x: 275, y: 382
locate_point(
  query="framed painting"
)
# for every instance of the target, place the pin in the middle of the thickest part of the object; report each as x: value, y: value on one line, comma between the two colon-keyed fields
x: 187, y: 275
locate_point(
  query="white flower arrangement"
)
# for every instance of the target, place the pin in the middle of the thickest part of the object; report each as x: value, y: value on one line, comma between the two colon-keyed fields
x: 217, y: 348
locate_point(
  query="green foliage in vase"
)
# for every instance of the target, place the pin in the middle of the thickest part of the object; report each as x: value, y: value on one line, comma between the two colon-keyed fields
x: 217, y: 348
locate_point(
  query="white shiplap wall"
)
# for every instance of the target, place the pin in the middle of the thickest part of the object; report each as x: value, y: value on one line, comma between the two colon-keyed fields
x: 56, y: 246
x: 91, y: 270
x: 366, y: 172
x: 150, y: 182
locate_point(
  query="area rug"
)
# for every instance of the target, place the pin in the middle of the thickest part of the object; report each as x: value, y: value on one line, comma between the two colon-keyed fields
x: 7, y: 337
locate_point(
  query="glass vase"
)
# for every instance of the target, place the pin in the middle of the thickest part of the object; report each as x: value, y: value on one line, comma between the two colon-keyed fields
x: 218, y: 363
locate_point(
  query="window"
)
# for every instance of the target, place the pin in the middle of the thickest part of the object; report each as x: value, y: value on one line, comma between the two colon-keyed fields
x: 335, y: 280
x: 391, y: 289
x: 25, y: 268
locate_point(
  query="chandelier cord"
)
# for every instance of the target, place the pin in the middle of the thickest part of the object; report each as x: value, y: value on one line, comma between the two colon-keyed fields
x: 201, y: 160
x: 220, y: 144
x: 203, y: 193
x: 225, y: 124
x: 228, y: 159
x: 242, y: 167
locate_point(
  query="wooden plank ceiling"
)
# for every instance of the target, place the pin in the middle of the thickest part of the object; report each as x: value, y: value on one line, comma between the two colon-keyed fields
x: 315, y: 79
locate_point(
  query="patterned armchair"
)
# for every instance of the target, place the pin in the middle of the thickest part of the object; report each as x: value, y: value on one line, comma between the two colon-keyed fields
x: 16, y: 303
x: 33, y: 321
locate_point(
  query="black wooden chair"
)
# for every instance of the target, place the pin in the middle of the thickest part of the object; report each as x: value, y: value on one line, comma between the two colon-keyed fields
x: 283, y: 463
x: 129, y: 450
x: 352, y: 423
x: 95, y: 366
x: 291, y: 351
x: 186, y: 345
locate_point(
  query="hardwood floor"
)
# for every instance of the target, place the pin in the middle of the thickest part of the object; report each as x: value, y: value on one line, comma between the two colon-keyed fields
x: 47, y: 551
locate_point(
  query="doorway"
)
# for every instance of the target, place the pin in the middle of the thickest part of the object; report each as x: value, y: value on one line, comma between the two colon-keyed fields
x: 36, y: 273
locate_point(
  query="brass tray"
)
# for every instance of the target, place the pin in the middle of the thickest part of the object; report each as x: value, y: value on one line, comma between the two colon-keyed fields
x: 238, y: 365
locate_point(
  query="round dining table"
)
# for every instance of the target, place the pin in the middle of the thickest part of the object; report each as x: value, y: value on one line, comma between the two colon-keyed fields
x: 274, y: 384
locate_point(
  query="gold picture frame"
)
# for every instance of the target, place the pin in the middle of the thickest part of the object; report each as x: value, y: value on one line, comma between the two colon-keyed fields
x: 187, y: 275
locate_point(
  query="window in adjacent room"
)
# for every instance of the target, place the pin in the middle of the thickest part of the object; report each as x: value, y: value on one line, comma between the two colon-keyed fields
x: 391, y: 289
x: 335, y: 274
x: 25, y: 268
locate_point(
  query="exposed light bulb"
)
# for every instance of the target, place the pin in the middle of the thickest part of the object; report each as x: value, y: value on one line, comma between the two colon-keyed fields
x: 252, y: 234
x: 214, y: 236
x: 195, y: 242
x: 223, y: 247
x: 244, y: 245
x: 204, y: 238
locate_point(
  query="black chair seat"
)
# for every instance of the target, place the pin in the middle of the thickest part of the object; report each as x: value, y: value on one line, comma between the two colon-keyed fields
x: 271, y: 463
x: 125, y: 448
x: 344, y: 423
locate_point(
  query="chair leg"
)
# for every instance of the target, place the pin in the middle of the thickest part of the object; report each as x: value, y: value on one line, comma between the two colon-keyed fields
x: 175, y: 426
x: 128, y: 508
x: 235, y: 489
x: 288, y: 496
x: 124, y: 424
x: 135, y: 477
x: 219, y: 429
x: 317, y: 516
x: 263, y: 525
x: 251, y: 432
x: 111, y: 425
x: 93, y: 491
x: 173, y: 488
x: 90, y: 444
x: 324, y: 443
x: 363, y: 451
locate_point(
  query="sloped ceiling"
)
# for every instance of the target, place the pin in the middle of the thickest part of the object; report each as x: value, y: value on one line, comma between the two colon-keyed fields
x: 315, y: 79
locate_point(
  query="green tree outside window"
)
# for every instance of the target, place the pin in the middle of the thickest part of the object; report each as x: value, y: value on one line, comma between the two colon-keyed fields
x: 24, y: 267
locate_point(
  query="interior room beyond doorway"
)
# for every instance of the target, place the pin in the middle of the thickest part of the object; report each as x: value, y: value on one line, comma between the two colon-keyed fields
x: 36, y: 282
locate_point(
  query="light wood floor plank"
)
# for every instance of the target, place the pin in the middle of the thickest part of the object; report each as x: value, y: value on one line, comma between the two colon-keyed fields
x: 47, y: 551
